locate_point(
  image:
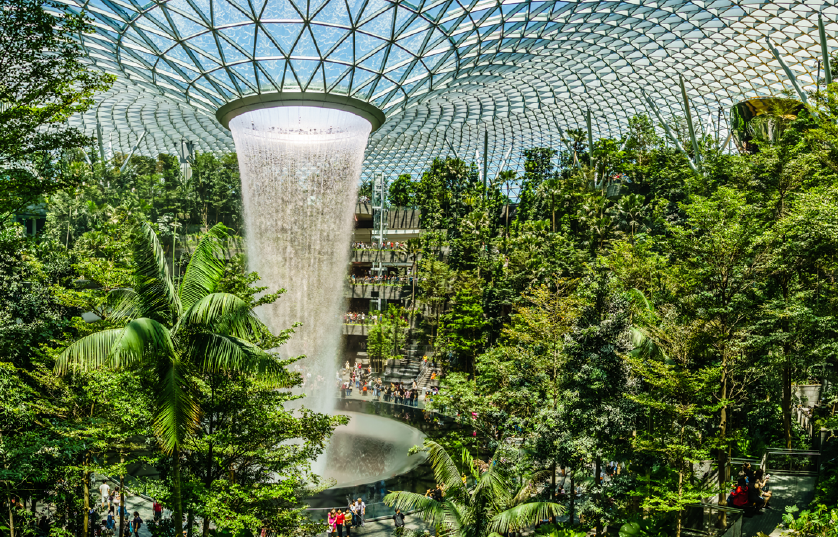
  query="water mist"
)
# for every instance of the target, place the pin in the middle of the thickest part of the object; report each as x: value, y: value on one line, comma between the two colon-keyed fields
x: 300, y: 167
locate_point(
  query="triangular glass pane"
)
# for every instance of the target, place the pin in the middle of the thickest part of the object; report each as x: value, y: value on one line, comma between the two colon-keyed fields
x: 314, y: 6
x: 373, y: 63
x: 373, y: 7
x: 177, y: 53
x: 316, y: 83
x: 366, y: 44
x: 418, y: 24
x: 274, y: 69
x: 301, y: 6
x: 285, y: 35
x: 326, y: 36
x: 381, y: 26
x: 344, y: 51
x: 336, y: 77
x: 362, y: 93
x: 224, y: 12
x: 156, y: 15
x: 414, y: 42
x: 206, y: 44
x: 186, y: 9
x: 231, y: 53
x: 355, y: 7
x: 221, y: 78
x: 202, y: 7
x: 432, y: 61
x: 334, y: 13
x: 243, y: 36
x: 396, y: 74
x: 205, y: 63
x: 265, y: 82
x: 417, y: 71
x: 162, y: 43
x: 397, y: 56
x: 305, y: 46
x: 360, y: 78
x: 304, y: 69
x: 265, y: 48
x: 245, y: 71
x: 185, y: 27
x: 402, y: 17
x: 279, y: 10
x: 258, y: 6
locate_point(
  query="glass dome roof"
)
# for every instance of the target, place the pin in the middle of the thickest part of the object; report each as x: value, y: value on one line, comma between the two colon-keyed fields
x: 443, y: 71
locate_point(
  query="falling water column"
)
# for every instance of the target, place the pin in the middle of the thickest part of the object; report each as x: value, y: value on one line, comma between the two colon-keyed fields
x: 300, y: 167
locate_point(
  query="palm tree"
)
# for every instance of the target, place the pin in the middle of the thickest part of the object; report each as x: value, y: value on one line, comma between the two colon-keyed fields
x: 171, y: 333
x: 495, y: 504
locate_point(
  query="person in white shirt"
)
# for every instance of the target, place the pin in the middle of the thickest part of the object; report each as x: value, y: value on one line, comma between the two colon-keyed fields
x: 104, y: 491
x: 361, y: 511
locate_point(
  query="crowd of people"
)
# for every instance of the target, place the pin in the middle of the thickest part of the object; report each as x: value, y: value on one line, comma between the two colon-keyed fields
x: 362, y: 380
x: 381, y: 279
x: 343, y: 520
x: 112, y: 506
x: 752, y: 490
x: 386, y: 245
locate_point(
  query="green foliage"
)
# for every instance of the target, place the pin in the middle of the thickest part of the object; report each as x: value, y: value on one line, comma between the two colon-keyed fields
x: 822, y: 521
x: 46, y: 80
x: 402, y: 192
x: 477, y: 502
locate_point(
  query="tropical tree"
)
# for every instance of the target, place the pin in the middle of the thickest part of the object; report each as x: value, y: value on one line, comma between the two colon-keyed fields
x: 487, y: 500
x: 172, y: 332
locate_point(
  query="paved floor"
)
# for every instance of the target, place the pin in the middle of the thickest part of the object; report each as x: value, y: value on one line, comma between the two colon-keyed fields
x: 787, y: 490
x: 384, y: 527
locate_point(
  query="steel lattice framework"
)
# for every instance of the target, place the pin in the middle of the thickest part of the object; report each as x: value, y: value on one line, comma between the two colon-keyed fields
x: 443, y: 71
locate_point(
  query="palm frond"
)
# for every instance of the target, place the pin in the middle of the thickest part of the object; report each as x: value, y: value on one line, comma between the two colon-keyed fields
x: 431, y: 511
x: 524, y: 515
x: 123, y: 304
x: 445, y: 471
x: 495, y: 487
x: 155, y: 291
x: 206, y: 267
x: 89, y: 352
x: 225, y: 314
x: 219, y: 353
x: 176, y: 411
x: 118, y: 348
x: 528, y: 486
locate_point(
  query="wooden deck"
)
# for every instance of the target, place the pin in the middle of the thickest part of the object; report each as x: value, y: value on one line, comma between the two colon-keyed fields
x: 787, y: 490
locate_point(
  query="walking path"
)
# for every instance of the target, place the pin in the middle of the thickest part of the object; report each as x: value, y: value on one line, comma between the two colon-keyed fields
x: 787, y: 490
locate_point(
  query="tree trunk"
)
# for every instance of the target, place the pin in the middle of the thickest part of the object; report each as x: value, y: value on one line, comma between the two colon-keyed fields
x: 787, y: 402
x: 721, y: 460
x: 553, y: 482
x: 177, y: 507
x: 572, y: 498
x: 122, y: 496
x: 86, y: 489
x: 11, y: 516
x: 680, y: 495
x: 190, y: 521
x: 597, y: 469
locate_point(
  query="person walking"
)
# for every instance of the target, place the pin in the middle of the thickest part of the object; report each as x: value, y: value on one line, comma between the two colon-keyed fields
x: 105, y: 492
x: 158, y: 510
x: 92, y: 519
x: 398, y: 518
x: 136, y: 523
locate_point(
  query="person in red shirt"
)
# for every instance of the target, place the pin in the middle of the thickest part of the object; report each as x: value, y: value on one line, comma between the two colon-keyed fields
x: 339, y: 522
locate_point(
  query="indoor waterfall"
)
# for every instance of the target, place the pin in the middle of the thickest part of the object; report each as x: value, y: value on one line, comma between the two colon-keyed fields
x: 300, y: 167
